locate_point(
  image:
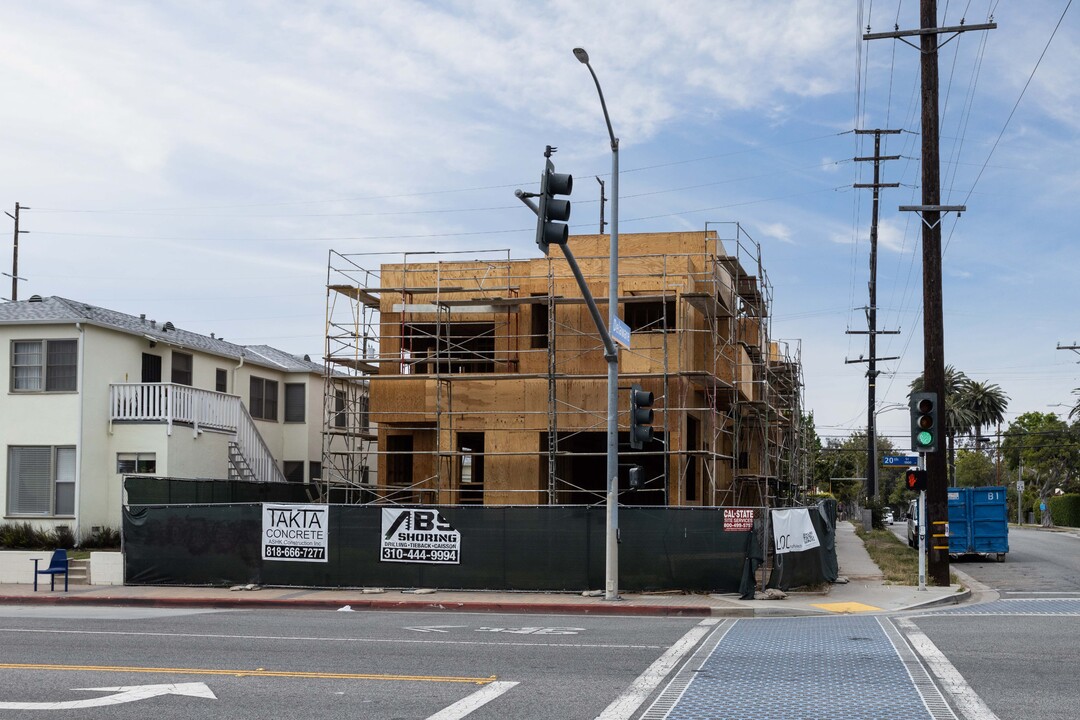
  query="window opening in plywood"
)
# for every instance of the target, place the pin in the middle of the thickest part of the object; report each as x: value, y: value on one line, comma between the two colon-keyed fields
x: 399, y: 459
x: 692, y: 460
x: 471, y: 467
x: 650, y: 315
x: 452, y: 347
x: 538, y: 326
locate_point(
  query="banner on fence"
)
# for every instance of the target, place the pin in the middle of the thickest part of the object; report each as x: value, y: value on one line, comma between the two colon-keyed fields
x: 418, y: 535
x: 793, y: 530
x: 296, y: 533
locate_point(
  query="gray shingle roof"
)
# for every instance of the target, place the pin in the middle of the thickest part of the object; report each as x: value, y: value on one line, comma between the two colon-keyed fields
x: 62, y: 311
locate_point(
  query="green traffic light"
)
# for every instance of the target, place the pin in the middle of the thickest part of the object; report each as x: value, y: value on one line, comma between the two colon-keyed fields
x: 925, y: 438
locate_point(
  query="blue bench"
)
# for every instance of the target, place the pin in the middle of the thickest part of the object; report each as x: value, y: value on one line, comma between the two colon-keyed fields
x: 58, y: 565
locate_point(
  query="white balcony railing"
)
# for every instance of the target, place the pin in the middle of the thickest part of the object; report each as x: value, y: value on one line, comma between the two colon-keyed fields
x: 201, y: 409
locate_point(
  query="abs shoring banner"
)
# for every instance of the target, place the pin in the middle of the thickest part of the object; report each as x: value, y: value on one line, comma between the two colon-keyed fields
x: 295, y: 532
x: 793, y: 531
x: 418, y: 535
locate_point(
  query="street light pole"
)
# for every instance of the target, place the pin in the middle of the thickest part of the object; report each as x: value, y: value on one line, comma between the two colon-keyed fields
x: 611, y: 556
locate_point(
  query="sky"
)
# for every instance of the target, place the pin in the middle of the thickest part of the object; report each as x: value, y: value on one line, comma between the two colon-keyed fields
x: 198, y: 161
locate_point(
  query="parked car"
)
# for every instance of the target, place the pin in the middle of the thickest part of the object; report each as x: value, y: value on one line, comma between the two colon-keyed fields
x: 913, y: 524
x: 888, y: 518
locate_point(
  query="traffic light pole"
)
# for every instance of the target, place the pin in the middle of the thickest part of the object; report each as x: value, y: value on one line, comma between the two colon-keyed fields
x: 611, y: 355
x: 611, y: 580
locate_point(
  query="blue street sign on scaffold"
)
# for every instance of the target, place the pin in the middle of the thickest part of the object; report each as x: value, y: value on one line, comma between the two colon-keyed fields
x: 899, y: 460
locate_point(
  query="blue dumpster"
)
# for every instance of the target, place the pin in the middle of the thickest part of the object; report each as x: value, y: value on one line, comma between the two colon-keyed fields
x: 978, y: 521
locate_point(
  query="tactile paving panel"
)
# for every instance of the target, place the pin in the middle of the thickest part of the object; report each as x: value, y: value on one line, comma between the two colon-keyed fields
x: 841, y: 668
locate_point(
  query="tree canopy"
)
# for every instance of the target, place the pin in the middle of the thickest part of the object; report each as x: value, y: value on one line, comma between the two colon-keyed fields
x: 1047, y: 450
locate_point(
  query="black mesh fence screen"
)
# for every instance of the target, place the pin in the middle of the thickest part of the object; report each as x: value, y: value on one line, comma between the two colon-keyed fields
x: 146, y: 490
x: 501, y: 548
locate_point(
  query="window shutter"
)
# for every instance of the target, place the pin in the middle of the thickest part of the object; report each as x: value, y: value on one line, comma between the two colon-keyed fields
x: 63, y: 362
x: 30, y: 470
x: 295, y: 396
x: 65, y: 481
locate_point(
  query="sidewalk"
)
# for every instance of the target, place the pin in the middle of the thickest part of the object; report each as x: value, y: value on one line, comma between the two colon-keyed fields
x: 866, y: 592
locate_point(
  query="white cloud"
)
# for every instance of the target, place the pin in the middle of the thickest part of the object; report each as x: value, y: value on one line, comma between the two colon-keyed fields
x: 778, y: 231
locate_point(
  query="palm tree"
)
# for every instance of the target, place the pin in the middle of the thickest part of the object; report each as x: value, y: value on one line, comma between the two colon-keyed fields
x: 958, y: 418
x: 1075, y: 412
x: 986, y: 402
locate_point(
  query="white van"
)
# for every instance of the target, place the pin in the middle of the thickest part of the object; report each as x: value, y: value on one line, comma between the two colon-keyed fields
x: 913, y: 524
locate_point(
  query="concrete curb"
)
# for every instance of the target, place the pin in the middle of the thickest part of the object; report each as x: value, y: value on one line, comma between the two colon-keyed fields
x: 247, y: 603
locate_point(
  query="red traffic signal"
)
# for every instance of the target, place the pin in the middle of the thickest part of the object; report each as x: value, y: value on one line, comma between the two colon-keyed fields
x: 916, y: 480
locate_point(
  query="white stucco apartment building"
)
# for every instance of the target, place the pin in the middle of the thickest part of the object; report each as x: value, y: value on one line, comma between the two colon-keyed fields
x: 88, y: 395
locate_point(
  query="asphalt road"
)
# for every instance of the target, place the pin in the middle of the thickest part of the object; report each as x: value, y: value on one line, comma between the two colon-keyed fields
x: 1039, y: 563
x: 327, y: 664
x: 1011, y: 657
x: 1018, y: 652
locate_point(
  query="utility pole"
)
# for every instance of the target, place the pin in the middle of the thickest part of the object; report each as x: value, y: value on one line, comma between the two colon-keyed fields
x: 15, y: 252
x: 933, y: 317
x: 872, y: 489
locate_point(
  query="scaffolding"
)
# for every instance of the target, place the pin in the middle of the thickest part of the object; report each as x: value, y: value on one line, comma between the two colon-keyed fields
x: 484, y: 381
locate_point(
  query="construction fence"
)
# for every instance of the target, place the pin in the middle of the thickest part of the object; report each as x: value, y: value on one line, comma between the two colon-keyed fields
x: 510, y: 548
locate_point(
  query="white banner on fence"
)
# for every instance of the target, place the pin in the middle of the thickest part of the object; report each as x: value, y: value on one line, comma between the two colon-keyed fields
x: 295, y: 532
x: 418, y: 536
x: 793, y: 531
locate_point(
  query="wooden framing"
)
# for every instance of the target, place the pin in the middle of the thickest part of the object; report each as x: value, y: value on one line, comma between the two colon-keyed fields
x: 503, y: 354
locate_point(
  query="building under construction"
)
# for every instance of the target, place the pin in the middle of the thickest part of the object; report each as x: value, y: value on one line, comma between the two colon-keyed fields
x: 484, y: 379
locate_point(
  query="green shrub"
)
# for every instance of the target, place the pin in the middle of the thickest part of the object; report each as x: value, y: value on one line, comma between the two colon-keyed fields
x: 1065, y: 510
x: 61, y: 537
x: 20, y: 536
x: 24, y: 536
x: 103, y: 537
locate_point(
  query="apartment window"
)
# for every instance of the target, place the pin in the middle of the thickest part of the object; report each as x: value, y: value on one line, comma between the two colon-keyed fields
x: 181, y: 368
x: 136, y: 463
x: 339, y: 419
x: 41, y: 480
x: 295, y: 398
x: 364, y: 419
x: 315, y: 470
x: 221, y: 380
x: 294, y: 470
x: 264, y: 399
x: 151, y: 368
x: 48, y: 365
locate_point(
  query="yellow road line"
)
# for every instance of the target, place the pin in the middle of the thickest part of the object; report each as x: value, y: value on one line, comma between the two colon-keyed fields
x: 258, y: 672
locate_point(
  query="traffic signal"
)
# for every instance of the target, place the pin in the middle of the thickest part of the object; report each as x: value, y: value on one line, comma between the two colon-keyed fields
x: 551, y: 227
x: 924, y: 422
x: 637, y: 476
x: 916, y: 480
x: 641, y: 417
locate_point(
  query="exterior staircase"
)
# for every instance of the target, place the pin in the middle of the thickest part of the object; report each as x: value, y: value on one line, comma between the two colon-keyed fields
x: 79, y: 572
x: 249, y: 457
x: 239, y: 469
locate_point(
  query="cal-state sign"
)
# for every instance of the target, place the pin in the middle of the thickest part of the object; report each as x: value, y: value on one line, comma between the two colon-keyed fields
x: 899, y: 460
